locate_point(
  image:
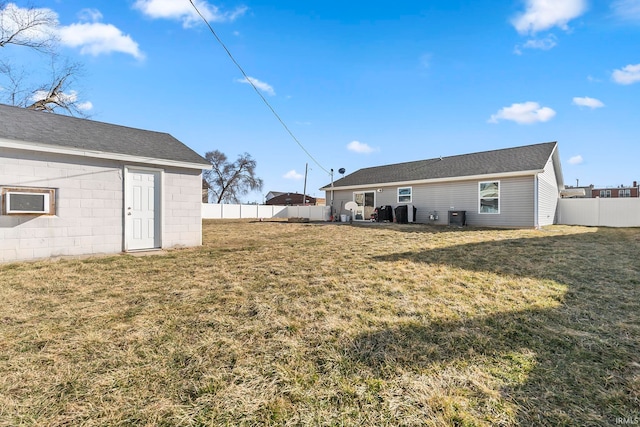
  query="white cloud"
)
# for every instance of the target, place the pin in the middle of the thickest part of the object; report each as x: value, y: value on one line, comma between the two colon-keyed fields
x: 627, y: 75
x: 524, y: 113
x: 292, y: 174
x: 265, y: 87
x: 72, y: 96
x: 425, y: 60
x: 542, y: 44
x: 628, y: 10
x: 184, y: 11
x: 588, y: 102
x: 90, y: 15
x: 97, y: 38
x: 542, y: 15
x: 85, y: 106
x: 546, y: 43
x: 13, y: 17
x: 39, y: 95
x: 576, y: 160
x: 91, y: 37
x: 68, y: 98
x: 360, y: 147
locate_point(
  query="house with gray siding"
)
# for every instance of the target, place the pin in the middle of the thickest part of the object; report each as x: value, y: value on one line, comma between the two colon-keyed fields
x: 512, y: 187
x: 71, y: 186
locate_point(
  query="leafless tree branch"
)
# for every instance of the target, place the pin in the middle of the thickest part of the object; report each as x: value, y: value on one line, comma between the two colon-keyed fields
x: 229, y: 181
x: 35, y: 29
x: 29, y: 27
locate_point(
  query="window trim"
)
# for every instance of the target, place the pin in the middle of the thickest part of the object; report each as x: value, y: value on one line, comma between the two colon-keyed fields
x: 49, y: 195
x: 480, y: 198
x: 404, y: 195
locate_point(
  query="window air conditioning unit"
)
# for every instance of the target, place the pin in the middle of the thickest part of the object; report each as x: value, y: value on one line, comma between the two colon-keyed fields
x: 18, y: 201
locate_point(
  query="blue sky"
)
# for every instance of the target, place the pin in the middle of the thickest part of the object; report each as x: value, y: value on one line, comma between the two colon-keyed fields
x: 367, y: 84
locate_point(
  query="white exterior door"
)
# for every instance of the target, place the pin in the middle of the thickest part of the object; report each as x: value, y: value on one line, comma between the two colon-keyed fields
x: 142, y: 209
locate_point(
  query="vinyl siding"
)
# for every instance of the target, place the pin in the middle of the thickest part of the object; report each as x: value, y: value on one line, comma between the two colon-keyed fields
x: 547, y: 195
x: 516, y: 201
x: 516, y: 204
x: 443, y: 197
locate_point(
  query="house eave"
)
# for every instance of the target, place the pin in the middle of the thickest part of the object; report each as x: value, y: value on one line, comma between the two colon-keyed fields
x: 434, y: 180
x: 557, y: 165
x: 46, y: 148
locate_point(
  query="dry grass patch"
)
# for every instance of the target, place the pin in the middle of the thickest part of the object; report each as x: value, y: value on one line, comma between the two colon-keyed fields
x: 307, y: 324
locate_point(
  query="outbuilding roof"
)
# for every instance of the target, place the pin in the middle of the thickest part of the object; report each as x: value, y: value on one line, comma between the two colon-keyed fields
x: 44, y: 130
x: 529, y: 158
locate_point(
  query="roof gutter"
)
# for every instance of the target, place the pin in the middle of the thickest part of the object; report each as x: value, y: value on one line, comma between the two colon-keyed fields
x: 434, y: 180
x: 45, y: 148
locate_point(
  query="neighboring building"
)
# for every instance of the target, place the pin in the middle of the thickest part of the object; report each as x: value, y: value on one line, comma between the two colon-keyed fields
x: 72, y: 186
x: 291, y: 199
x: 575, y: 192
x: 512, y: 187
x: 616, y: 192
x: 271, y: 194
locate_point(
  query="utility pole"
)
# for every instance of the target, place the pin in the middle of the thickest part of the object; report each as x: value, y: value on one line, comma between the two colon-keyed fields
x: 304, y: 191
x: 332, y: 194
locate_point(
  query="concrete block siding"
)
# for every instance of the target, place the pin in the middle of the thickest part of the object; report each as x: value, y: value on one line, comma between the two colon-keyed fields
x: 182, y: 208
x: 89, y: 206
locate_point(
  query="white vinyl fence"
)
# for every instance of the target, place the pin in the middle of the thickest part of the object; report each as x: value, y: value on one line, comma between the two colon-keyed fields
x: 590, y: 212
x: 624, y: 212
x: 216, y: 211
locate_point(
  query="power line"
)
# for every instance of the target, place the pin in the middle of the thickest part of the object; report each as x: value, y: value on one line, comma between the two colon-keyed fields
x: 250, y: 81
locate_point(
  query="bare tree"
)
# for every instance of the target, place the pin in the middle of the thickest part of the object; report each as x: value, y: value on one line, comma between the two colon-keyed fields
x: 58, y: 94
x: 35, y: 29
x: 228, y: 181
x: 31, y: 27
x: 13, y: 89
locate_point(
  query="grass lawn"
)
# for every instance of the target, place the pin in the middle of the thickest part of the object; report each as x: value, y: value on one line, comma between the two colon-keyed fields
x: 272, y: 323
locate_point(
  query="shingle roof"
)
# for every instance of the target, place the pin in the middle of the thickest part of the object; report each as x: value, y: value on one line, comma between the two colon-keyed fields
x: 290, y: 199
x: 508, y: 160
x: 39, y: 127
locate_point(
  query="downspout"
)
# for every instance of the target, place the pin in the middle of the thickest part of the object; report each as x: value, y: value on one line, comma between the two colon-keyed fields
x: 536, y: 208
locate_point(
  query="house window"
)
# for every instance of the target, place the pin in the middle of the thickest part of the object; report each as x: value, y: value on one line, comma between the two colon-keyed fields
x: 404, y: 195
x: 626, y: 192
x: 605, y: 193
x: 489, y: 197
x: 28, y: 201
